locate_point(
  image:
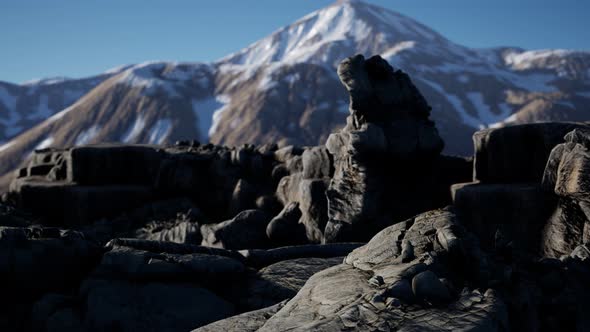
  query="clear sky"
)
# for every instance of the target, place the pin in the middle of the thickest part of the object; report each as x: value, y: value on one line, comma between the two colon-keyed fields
x: 76, y: 38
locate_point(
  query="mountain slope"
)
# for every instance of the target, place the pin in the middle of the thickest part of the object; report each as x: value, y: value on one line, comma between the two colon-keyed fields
x: 284, y: 88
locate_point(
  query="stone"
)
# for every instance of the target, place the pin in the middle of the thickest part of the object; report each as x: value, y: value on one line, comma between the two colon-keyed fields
x: 133, y: 264
x: 426, y: 286
x: 317, y: 163
x: 179, y: 232
x: 243, y: 197
x: 285, y: 228
x: 246, y: 230
x: 288, y: 188
x: 314, y: 208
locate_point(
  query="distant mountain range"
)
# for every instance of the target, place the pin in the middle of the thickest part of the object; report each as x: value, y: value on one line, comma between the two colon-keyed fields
x: 284, y: 89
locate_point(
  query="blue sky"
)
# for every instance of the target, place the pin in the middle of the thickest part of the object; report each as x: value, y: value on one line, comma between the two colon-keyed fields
x: 44, y: 38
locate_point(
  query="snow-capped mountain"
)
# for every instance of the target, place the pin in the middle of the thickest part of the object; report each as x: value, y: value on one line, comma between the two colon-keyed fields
x: 284, y: 89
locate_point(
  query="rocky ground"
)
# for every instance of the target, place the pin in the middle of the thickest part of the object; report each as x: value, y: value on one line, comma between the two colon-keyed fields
x: 375, y: 231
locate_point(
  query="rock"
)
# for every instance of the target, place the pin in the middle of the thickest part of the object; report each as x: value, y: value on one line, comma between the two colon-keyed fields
x: 171, y: 248
x: 282, y: 280
x: 371, y: 290
x: 247, y: 322
x: 388, y: 129
x: 402, y: 290
x: 564, y: 229
x: 428, y: 287
x: 285, y: 228
x: 130, y: 306
x: 518, y: 210
x: 35, y: 260
x: 269, y: 204
x: 287, y: 152
x: 314, y: 208
x: 133, y: 264
x: 112, y: 164
x: 288, y: 188
x: 66, y: 204
x: 246, y: 230
x: 179, y: 232
x: 317, y: 163
x: 407, y: 253
x: 243, y: 197
x: 566, y: 176
x: 517, y: 153
x: 261, y: 258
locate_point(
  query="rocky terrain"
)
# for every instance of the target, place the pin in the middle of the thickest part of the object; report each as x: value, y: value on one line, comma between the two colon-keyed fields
x: 375, y: 230
x: 283, y: 89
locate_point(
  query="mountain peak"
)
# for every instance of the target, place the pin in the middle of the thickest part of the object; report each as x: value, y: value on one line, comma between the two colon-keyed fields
x: 326, y: 35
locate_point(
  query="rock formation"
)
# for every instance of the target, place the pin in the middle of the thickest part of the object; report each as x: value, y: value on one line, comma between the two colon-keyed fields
x: 373, y: 231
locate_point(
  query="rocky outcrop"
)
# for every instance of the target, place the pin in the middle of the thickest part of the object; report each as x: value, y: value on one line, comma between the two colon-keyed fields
x: 387, y: 149
x: 374, y: 289
x: 567, y: 176
x: 337, y: 237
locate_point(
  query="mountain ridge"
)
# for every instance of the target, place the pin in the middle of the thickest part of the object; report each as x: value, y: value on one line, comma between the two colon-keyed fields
x: 283, y: 88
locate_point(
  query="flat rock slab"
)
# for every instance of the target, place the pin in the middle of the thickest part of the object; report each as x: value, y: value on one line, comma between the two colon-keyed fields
x: 282, y: 280
x: 63, y: 203
x: 106, y: 164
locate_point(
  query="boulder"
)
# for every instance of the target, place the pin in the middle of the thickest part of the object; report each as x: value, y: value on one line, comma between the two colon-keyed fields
x: 314, y: 207
x: 426, y: 286
x: 246, y: 230
x: 317, y: 163
x: 179, y: 232
x: 285, y: 228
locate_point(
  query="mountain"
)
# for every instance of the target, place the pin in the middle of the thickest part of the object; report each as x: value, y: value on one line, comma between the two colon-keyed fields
x: 284, y: 89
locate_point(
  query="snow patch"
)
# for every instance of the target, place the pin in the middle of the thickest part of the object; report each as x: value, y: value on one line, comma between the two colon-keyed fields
x: 6, y: 146
x: 526, y: 60
x: 225, y: 100
x: 87, y: 135
x: 134, y: 131
x: 44, y: 143
x: 205, y: 110
x: 484, y: 112
x: 160, y: 131
x: 398, y: 48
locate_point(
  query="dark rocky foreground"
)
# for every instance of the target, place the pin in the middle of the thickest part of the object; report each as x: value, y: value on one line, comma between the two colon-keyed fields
x: 375, y: 231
